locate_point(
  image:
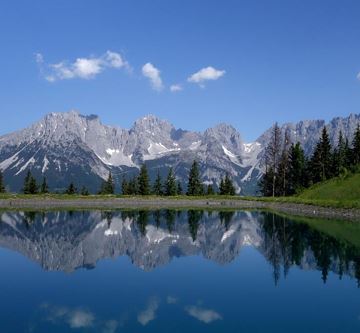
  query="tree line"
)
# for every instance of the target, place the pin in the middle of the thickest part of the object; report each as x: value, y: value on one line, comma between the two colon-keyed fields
x: 288, y: 170
x: 138, y: 185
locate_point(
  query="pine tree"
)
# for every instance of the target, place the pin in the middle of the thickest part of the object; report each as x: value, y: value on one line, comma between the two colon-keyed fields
x: 108, y: 186
x: 84, y: 191
x: 179, y: 190
x: 44, y: 186
x: 229, y: 186
x: 356, y: 146
x: 266, y: 182
x: 226, y: 186
x: 170, y: 184
x: 143, y: 181
x: 210, y: 190
x: 339, y: 156
x: 124, y: 186
x: 157, y: 187
x: 30, y: 186
x: 194, y: 183
x: 27, y: 179
x: 282, y: 186
x: 2, y: 186
x: 71, y: 189
x: 321, y: 159
x: 297, y: 169
x: 133, y: 188
x: 222, y: 189
x: 272, y: 158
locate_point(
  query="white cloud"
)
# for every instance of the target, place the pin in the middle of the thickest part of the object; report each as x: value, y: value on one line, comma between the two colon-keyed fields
x: 80, y: 318
x: 153, y: 74
x: 205, y: 315
x: 110, y: 326
x: 206, y: 74
x: 358, y: 76
x: 176, y: 87
x: 171, y: 300
x: 83, y: 68
x: 39, y: 58
x: 75, y: 318
x: 149, y: 313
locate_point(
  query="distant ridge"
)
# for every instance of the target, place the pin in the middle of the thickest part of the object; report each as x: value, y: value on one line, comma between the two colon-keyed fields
x: 69, y: 146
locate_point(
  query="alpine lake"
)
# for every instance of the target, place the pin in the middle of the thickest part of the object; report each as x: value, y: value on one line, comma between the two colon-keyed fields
x: 177, y: 271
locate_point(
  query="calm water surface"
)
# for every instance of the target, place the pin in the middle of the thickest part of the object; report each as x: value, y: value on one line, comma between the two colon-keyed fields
x: 172, y: 271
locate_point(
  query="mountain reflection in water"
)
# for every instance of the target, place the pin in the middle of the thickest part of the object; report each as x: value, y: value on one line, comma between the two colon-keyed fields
x: 65, y: 241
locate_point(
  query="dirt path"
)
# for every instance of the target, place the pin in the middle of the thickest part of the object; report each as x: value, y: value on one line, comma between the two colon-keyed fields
x: 136, y: 203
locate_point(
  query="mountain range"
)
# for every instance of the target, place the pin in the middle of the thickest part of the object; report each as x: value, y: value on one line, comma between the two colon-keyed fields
x: 70, y: 146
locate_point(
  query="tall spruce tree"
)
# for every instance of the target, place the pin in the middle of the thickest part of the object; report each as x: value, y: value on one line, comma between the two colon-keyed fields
x: 322, y: 158
x: 356, y: 146
x: 71, y: 190
x: 2, y: 185
x: 30, y: 185
x: 339, y: 156
x: 272, y: 159
x: 124, y: 186
x: 143, y: 181
x: 33, y: 187
x: 283, y: 181
x: 157, y: 186
x: 84, y: 191
x: 27, y: 178
x: 110, y: 185
x: 170, y: 184
x: 210, y: 190
x: 194, y: 183
x: 179, y: 190
x: 44, y: 188
x: 226, y: 186
x: 133, y: 187
x: 297, y: 169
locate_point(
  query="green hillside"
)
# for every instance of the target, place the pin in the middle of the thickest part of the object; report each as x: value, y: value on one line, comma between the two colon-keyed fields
x: 342, y: 189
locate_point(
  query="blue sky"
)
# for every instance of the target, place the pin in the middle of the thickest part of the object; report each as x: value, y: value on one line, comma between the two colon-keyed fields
x: 261, y: 61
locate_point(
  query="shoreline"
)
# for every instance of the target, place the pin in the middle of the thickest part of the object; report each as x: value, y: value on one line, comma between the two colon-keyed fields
x: 298, y: 209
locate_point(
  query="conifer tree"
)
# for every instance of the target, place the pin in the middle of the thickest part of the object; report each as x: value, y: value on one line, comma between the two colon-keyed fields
x: 229, y: 186
x: 321, y: 159
x: 170, y: 184
x: 210, y: 190
x: 179, y: 190
x: 109, y: 185
x: 266, y: 182
x: 84, y: 191
x: 282, y: 185
x: 33, y: 187
x: 133, y: 188
x: 44, y: 186
x: 30, y: 185
x: 339, y: 156
x: 71, y: 189
x: 143, y: 181
x: 124, y: 186
x: 26, y: 188
x: 356, y: 146
x: 226, y: 186
x: 222, y: 187
x: 272, y: 159
x: 157, y: 186
x: 297, y: 169
x: 2, y: 185
x: 194, y: 183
